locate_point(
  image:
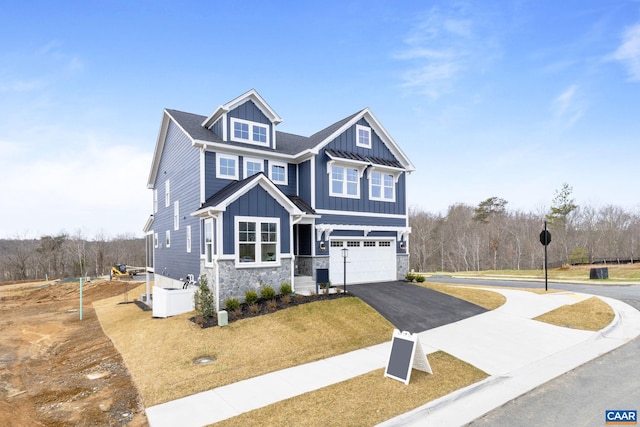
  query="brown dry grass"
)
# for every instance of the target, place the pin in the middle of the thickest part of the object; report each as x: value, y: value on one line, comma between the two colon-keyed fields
x: 591, y: 314
x: 483, y: 298
x: 367, y: 399
x: 160, y: 352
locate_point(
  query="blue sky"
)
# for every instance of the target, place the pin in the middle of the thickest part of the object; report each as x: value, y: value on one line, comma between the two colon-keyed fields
x: 506, y: 99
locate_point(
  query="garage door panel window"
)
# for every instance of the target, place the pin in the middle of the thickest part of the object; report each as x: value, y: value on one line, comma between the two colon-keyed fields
x: 257, y: 241
x: 369, y: 260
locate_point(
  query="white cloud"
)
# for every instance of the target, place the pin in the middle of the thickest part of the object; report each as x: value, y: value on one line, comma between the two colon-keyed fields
x: 629, y: 52
x: 568, y: 107
x: 441, y: 48
x: 92, y: 187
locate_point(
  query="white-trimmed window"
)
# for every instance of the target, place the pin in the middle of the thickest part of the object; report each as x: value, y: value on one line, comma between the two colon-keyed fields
x: 382, y: 186
x: 208, y: 242
x: 344, y: 182
x: 257, y: 242
x: 363, y: 136
x: 249, y: 132
x: 155, y: 200
x: 155, y: 240
x: 278, y: 172
x: 226, y: 166
x: 252, y: 166
x: 176, y: 215
x: 167, y: 240
x: 167, y: 194
x: 188, y: 239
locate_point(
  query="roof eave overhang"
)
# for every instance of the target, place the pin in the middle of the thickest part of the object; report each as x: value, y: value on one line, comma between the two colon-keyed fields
x: 266, y: 184
x: 379, y: 129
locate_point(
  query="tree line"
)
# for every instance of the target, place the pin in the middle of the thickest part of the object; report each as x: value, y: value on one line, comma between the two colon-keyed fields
x: 467, y: 238
x: 490, y: 237
x: 63, y: 255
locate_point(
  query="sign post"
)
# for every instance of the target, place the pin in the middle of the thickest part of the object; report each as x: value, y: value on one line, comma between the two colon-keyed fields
x: 545, y: 239
x: 406, y: 354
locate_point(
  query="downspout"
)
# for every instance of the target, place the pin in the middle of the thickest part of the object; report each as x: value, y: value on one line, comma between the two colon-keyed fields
x: 218, y: 217
x: 293, y: 256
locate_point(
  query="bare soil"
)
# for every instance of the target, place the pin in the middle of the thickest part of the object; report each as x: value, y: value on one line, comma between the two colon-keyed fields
x: 56, y: 369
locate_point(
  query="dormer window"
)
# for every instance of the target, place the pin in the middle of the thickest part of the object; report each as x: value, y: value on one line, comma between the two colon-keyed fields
x: 363, y: 136
x: 249, y: 132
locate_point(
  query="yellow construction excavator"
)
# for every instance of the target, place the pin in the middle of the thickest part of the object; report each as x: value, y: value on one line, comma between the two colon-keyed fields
x: 119, y: 271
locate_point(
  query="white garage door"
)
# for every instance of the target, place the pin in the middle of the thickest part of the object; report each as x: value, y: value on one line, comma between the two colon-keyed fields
x: 368, y: 261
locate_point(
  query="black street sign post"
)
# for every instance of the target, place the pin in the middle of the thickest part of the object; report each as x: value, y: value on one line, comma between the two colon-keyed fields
x: 545, y: 239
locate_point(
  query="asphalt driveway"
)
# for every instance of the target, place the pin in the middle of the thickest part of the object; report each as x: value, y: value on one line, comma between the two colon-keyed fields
x: 413, y: 308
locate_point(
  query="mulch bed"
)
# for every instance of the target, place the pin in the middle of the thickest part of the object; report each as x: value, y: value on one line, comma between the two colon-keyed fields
x: 262, y: 307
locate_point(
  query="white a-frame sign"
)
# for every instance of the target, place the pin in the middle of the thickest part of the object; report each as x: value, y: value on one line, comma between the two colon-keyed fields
x: 406, y: 354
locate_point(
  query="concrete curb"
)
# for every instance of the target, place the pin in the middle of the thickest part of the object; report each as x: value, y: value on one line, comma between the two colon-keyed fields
x: 465, y: 405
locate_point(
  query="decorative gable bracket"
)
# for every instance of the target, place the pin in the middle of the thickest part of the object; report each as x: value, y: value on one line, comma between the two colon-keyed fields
x: 403, y: 233
x: 324, y: 230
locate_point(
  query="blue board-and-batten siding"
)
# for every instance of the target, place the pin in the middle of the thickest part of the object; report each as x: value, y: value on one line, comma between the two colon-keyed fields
x: 177, y: 165
x: 347, y: 142
x: 213, y: 184
x: 249, y: 111
x: 362, y: 220
x: 304, y: 181
x: 255, y: 203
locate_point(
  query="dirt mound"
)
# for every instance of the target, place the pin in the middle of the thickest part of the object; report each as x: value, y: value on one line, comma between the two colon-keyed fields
x: 56, y: 369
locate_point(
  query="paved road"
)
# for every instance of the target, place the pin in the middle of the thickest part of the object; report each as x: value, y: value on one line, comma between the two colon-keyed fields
x: 413, y: 308
x: 579, y: 397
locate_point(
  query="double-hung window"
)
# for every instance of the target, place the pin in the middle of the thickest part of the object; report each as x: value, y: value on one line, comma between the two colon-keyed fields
x: 249, y: 132
x: 278, y: 172
x: 208, y: 242
x: 167, y: 194
x: 252, y: 166
x: 345, y: 182
x: 382, y: 186
x: 257, y: 242
x: 176, y: 215
x: 227, y: 166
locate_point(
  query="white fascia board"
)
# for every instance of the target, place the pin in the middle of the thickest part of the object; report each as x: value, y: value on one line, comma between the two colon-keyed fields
x: 388, y: 140
x: 254, y: 96
x: 219, y: 112
x: 339, y: 131
x: 157, y: 153
x: 162, y: 136
x: 208, y: 212
x: 327, y: 229
x: 148, y: 225
x: 266, y: 184
x: 354, y: 213
x: 243, y: 151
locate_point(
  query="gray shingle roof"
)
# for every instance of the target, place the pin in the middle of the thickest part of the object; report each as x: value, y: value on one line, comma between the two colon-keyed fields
x: 286, y: 143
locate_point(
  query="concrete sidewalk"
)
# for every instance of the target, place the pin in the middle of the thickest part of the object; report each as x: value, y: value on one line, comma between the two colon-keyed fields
x: 518, y: 353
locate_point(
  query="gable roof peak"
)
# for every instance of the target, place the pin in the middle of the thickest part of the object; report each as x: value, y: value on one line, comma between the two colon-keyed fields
x: 251, y: 95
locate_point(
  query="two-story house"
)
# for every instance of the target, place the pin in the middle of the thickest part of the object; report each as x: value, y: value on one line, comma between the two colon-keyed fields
x: 246, y: 205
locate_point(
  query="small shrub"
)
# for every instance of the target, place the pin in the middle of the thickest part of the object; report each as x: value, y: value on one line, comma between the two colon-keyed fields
x: 254, y: 308
x: 286, y: 299
x: 267, y: 293
x: 250, y: 297
x: 285, y: 289
x: 237, y: 313
x: 232, y: 304
x: 204, y: 300
x: 300, y: 298
x: 410, y: 277
x: 272, y: 304
x: 419, y: 278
